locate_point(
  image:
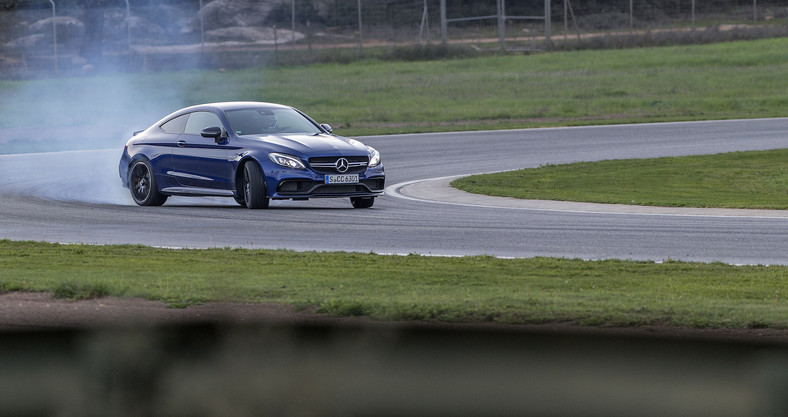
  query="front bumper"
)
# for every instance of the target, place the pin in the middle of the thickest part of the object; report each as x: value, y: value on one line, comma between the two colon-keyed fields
x: 301, y: 184
x: 300, y: 188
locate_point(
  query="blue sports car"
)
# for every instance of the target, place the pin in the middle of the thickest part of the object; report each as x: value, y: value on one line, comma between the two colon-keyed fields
x: 253, y: 152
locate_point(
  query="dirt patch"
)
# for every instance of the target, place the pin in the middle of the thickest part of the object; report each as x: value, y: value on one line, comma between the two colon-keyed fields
x: 26, y: 311
x: 40, y: 311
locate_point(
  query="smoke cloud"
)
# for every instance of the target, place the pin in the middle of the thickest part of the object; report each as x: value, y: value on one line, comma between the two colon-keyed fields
x: 61, y: 137
x: 69, y: 114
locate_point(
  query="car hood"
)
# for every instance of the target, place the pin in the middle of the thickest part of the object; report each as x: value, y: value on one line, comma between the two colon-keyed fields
x: 310, y: 145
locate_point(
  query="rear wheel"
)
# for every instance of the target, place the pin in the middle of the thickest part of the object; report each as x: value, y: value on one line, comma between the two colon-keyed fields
x: 143, y: 187
x: 362, y: 202
x: 254, y: 186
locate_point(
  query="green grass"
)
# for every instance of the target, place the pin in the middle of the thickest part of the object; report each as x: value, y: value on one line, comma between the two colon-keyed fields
x: 755, y: 180
x: 720, y: 81
x: 469, y: 289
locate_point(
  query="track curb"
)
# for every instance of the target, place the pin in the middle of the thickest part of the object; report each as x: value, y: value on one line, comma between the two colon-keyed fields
x: 439, y: 190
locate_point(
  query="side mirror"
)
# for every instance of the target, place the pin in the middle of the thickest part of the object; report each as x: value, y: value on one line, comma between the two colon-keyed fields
x: 327, y: 128
x: 212, y: 132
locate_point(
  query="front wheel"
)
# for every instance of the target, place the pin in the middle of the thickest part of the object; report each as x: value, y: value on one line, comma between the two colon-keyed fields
x: 362, y: 202
x: 254, y: 186
x: 142, y: 184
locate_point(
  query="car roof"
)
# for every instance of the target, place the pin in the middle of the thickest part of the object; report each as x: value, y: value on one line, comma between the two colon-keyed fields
x: 219, y: 106
x: 232, y: 105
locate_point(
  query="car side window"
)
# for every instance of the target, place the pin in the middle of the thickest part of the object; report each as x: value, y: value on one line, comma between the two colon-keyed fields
x: 200, y: 120
x: 175, y: 125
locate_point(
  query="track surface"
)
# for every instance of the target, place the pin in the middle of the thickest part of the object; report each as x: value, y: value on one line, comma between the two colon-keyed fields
x: 76, y: 197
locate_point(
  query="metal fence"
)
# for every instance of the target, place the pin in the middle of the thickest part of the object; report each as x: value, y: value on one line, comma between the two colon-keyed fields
x: 65, y: 37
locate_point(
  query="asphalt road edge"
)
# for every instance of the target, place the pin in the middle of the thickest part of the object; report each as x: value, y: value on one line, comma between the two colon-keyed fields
x: 439, y: 190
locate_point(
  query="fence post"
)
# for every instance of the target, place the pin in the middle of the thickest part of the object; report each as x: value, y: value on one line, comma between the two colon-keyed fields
x: 547, y: 40
x: 360, y: 34
x: 202, y: 30
x: 501, y: 25
x: 693, y: 15
x: 292, y: 29
x: 443, y: 23
x: 632, y: 17
x: 128, y: 24
x: 425, y: 21
x: 54, y: 34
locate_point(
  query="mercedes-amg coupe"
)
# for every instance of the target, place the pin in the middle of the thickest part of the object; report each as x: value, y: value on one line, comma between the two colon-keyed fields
x: 253, y: 152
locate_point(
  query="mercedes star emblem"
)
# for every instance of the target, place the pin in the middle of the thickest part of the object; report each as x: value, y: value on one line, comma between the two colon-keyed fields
x: 342, y: 165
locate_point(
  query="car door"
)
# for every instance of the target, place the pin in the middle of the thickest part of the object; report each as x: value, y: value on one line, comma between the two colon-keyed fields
x: 198, y: 161
x: 159, y: 145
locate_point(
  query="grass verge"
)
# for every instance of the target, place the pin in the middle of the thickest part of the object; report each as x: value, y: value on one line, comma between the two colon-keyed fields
x: 701, y: 82
x: 754, y: 180
x: 468, y: 289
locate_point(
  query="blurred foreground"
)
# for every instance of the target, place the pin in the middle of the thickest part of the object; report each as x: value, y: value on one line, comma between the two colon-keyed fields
x: 225, y: 369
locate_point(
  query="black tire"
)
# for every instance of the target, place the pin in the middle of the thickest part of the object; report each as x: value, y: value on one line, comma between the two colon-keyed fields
x: 362, y: 202
x: 240, y: 201
x: 142, y: 184
x: 253, y: 186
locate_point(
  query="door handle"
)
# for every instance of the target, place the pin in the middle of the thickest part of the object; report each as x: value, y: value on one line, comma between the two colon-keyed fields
x: 181, y: 143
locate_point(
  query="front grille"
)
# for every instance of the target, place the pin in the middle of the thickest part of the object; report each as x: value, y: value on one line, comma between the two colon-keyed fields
x: 328, y: 164
x: 341, y: 189
x: 308, y: 187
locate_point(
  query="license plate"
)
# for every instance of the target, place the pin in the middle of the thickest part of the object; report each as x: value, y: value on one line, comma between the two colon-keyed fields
x: 342, y: 179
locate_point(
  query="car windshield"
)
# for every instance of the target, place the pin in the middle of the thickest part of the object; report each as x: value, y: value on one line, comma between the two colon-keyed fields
x: 270, y: 121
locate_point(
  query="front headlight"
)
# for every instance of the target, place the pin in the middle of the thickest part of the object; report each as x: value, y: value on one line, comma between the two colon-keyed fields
x: 287, y: 161
x: 374, y: 157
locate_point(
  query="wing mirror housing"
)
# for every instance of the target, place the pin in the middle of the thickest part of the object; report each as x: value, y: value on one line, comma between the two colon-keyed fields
x: 327, y: 127
x: 213, y: 132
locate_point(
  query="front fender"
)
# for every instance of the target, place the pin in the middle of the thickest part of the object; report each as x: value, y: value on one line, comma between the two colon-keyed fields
x: 238, y: 165
x: 273, y: 173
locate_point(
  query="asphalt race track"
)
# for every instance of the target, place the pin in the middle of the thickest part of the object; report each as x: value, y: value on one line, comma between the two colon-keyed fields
x: 76, y: 197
